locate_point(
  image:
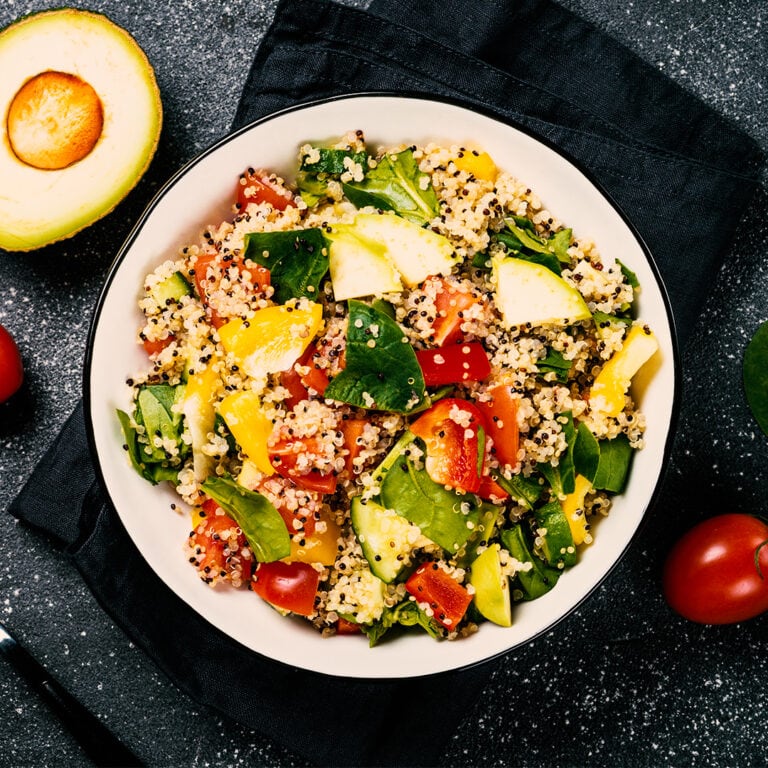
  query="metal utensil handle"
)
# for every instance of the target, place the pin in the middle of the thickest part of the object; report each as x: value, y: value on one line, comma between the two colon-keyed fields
x: 96, y: 740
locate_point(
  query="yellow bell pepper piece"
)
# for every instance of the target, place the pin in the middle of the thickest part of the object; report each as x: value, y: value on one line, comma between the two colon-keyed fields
x: 249, y: 425
x: 321, y: 547
x: 611, y: 384
x: 479, y: 164
x: 273, y: 338
x: 573, y: 507
x: 199, y: 410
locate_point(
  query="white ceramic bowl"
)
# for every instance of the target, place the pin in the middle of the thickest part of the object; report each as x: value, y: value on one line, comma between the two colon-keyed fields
x: 201, y: 194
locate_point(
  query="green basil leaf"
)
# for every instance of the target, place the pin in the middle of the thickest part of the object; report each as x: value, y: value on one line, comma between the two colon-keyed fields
x: 381, y: 370
x: 755, y: 376
x: 297, y: 261
x: 260, y: 522
x: 613, y: 467
x: 434, y: 508
x: 396, y: 184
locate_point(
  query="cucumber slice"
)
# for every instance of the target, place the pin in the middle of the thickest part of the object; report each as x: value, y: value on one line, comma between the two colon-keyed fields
x: 386, y: 538
x: 171, y: 289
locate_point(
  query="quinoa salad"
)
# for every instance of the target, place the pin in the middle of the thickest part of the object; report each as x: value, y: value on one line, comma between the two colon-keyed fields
x: 391, y: 390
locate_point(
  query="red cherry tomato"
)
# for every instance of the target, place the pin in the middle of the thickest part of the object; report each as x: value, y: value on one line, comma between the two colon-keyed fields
x: 717, y: 573
x: 11, y: 368
x: 288, y: 586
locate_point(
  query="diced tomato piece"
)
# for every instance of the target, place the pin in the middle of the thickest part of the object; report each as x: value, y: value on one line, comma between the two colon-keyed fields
x: 353, y: 430
x: 448, y: 599
x: 501, y: 423
x: 258, y: 187
x: 288, y: 586
x: 285, y: 455
x: 450, y: 430
x: 155, y: 347
x: 297, y: 392
x: 346, y: 627
x: 455, y: 364
x: 451, y: 303
x: 314, y: 377
x: 217, y: 544
x: 259, y: 276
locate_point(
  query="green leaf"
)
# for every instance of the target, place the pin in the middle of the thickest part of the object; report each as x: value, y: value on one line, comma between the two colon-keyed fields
x: 297, y: 261
x: 755, y: 376
x: 554, y: 362
x: 396, y: 184
x: 381, y: 370
x: 155, y: 412
x: 629, y: 275
x: 613, y: 467
x: 436, y: 510
x: 312, y: 178
x: 562, y: 478
x: 332, y: 162
x: 586, y: 453
x: 404, y: 614
x: 524, y: 490
x: 260, y: 522
x: 559, y: 244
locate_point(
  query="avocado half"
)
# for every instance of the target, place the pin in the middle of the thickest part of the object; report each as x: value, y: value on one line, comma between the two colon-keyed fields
x: 81, y: 122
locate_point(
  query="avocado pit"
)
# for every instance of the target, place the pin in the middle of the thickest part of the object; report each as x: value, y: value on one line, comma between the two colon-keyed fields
x: 54, y: 120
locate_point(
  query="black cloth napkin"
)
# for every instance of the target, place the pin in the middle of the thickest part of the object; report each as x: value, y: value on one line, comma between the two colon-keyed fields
x: 682, y: 174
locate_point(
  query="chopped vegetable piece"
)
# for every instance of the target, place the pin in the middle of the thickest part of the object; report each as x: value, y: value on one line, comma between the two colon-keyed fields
x: 288, y: 586
x: 454, y: 364
x: 445, y: 598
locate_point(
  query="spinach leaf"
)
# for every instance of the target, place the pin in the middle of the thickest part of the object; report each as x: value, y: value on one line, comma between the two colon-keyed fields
x: 603, y: 319
x: 586, y: 453
x: 381, y: 370
x: 404, y: 614
x: 260, y: 522
x: 156, y: 416
x: 559, y: 244
x: 431, y: 506
x: 524, y: 490
x: 153, y: 471
x: 521, y: 239
x: 312, y: 179
x: 629, y: 275
x: 332, y: 162
x: 755, y: 376
x: 562, y: 478
x: 396, y: 184
x: 613, y: 466
x: 297, y: 261
x: 554, y: 362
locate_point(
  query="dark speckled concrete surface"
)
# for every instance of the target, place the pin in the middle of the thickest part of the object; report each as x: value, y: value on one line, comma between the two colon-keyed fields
x: 621, y: 682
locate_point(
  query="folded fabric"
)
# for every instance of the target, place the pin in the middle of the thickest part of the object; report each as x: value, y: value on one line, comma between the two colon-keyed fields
x: 682, y: 175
